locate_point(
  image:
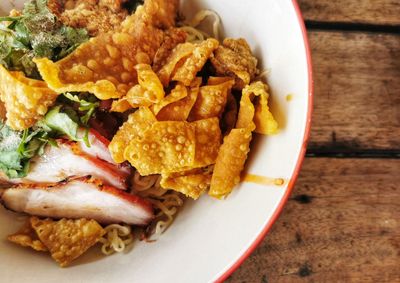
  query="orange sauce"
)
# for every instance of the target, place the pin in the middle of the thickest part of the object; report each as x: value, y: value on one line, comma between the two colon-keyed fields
x: 261, y: 180
x: 289, y: 97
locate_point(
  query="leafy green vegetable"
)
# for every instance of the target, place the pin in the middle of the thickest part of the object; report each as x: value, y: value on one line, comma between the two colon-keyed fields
x: 73, y: 112
x: 62, y: 123
x: 17, y: 148
x: 89, y: 106
x: 10, y: 161
x: 37, y: 33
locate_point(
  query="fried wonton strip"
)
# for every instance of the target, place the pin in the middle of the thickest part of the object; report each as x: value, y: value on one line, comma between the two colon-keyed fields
x: 30, y: 82
x: 67, y: 239
x: 26, y: 100
x: 158, y: 13
x: 149, y: 91
x: 230, y: 162
x: 246, y: 111
x: 187, y: 72
x: 179, y: 53
x: 233, y: 152
x: 212, y: 99
x: 264, y: 121
x: 192, y: 183
x: 178, y: 93
x: 149, y: 81
x: 27, y: 237
x: 208, y: 142
x: 263, y: 118
x: 172, y: 38
x: 219, y: 80
x: 179, y: 110
x: 174, y: 146
x: 100, y: 66
x: 105, y: 64
x: 136, y: 125
x: 165, y: 147
x: 121, y: 105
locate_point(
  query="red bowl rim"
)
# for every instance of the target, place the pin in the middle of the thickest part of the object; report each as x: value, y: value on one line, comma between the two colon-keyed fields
x: 300, y: 159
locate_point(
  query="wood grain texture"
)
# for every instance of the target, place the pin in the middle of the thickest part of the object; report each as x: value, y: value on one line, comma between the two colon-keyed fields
x: 342, y: 224
x: 357, y: 91
x: 376, y: 12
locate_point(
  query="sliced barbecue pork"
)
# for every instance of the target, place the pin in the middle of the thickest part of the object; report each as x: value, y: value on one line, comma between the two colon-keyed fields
x: 82, y: 197
x: 69, y: 159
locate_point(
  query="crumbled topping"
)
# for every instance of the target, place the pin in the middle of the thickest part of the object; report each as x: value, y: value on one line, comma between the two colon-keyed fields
x: 97, y: 16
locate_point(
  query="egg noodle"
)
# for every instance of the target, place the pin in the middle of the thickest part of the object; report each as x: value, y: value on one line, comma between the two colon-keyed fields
x: 166, y: 204
x: 194, y: 33
x: 116, y: 239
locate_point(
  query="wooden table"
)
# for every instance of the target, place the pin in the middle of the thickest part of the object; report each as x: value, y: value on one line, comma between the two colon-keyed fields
x: 342, y: 222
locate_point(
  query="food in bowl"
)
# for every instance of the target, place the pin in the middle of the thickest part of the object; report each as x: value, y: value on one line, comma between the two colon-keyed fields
x: 113, y: 124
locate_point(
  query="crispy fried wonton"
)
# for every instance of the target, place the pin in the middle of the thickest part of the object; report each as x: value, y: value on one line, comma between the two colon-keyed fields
x: 67, y: 239
x: 179, y: 110
x: 105, y: 64
x: 26, y: 100
x: 175, y: 146
x: 27, y: 237
x: 186, y: 60
x: 137, y: 123
x: 212, y: 99
x: 230, y: 162
x: 165, y: 147
x: 263, y: 118
x: 191, y: 183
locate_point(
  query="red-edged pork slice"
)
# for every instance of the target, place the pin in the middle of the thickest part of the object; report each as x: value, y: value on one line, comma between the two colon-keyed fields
x: 66, y: 160
x: 79, y: 198
x: 99, y: 148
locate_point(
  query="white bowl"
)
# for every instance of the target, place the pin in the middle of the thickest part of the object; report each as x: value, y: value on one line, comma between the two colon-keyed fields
x: 209, y: 238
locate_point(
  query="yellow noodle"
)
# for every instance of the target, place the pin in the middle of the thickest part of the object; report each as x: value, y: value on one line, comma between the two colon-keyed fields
x: 165, y: 202
x: 116, y: 239
x: 201, y: 16
x: 143, y: 183
x: 196, y: 35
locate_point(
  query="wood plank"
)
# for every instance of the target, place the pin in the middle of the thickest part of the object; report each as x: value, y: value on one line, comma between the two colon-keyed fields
x: 376, y: 12
x: 357, y: 91
x: 340, y: 225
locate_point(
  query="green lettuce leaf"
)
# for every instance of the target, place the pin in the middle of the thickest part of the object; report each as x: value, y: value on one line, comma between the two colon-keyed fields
x: 62, y: 123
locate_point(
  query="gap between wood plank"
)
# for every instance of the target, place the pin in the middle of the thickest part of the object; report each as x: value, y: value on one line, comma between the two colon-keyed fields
x: 360, y: 27
x: 353, y: 153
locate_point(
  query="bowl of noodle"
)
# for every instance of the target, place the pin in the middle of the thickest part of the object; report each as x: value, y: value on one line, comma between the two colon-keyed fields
x: 202, y: 239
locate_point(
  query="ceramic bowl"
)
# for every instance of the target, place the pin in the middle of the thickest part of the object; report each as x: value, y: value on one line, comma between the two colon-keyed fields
x: 209, y: 239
